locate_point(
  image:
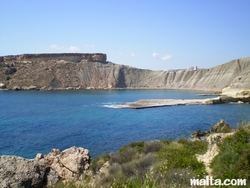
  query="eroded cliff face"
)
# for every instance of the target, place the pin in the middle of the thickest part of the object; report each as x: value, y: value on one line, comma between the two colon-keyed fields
x: 93, y: 71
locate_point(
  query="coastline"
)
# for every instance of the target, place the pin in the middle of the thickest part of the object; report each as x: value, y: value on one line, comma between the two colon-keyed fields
x: 152, y: 103
x: 211, y: 92
x: 75, y: 166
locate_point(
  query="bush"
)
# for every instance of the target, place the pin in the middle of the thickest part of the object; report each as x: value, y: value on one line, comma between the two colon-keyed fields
x: 181, y: 155
x: 124, y: 156
x: 139, y: 146
x: 144, y: 163
x: 153, y: 146
x: 233, y: 159
x: 151, y: 163
x: 98, y: 162
x: 135, y: 183
x: 176, y: 178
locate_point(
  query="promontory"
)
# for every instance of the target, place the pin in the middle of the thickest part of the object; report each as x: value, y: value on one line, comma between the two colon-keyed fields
x: 93, y: 71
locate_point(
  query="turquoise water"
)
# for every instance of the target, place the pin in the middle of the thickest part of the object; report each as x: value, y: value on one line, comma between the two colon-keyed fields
x: 36, y: 121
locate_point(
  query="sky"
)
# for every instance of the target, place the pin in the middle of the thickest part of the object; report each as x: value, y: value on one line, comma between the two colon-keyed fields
x: 147, y: 34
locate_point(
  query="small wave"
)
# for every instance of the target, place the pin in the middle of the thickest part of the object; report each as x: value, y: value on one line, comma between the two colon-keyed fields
x: 115, y: 106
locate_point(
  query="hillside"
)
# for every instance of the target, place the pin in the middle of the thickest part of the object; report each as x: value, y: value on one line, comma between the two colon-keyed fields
x: 93, y: 71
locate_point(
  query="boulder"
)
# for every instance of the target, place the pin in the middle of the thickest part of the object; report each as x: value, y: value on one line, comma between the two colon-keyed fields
x: 70, y: 163
x: 18, y: 172
x: 44, y: 170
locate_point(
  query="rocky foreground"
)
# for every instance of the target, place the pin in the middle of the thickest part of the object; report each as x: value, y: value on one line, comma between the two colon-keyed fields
x: 44, y: 170
x: 73, y: 164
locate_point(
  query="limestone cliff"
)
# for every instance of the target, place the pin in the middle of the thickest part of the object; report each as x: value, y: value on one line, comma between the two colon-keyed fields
x: 86, y: 71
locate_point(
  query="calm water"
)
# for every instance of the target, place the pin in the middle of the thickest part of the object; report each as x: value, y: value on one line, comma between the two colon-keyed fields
x: 37, y: 121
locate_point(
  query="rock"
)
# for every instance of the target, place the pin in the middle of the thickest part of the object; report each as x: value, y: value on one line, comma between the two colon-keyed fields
x: 198, y: 134
x: 51, y: 177
x: 2, y: 86
x: 70, y: 163
x: 213, y: 149
x: 221, y: 126
x: 29, y: 88
x: 19, y: 172
x: 43, y: 88
x: 43, y: 170
x: 16, y: 88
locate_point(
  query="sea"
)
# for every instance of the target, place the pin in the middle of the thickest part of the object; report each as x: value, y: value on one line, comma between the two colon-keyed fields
x: 34, y: 122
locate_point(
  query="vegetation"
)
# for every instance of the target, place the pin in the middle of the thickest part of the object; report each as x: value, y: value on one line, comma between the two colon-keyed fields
x: 233, y: 161
x: 166, y: 163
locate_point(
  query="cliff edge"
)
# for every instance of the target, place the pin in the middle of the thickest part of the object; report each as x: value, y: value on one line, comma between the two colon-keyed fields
x: 93, y: 71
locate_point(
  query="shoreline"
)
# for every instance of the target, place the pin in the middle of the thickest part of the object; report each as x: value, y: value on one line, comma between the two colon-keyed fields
x: 153, y: 103
x: 212, y: 92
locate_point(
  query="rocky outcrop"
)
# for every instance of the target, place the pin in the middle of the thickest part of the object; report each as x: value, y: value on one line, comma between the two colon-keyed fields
x: 213, y: 149
x: 220, y: 127
x: 214, y: 138
x: 44, y: 170
x: 93, y: 71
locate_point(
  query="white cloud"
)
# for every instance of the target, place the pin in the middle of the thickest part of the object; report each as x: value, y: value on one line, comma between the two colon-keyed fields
x: 132, y: 54
x: 120, y: 53
x: 56, y: 47
x: 74, y: 49
x: 154, y: 54
x: 166, y: 57
x: 64, y: 49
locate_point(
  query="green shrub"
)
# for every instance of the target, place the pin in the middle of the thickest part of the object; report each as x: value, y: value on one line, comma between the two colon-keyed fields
x: 181, y: 155
x: 124, y: 156
x: 98, y: 162
x: 135, y: 167
x: 139, y: 146
x: 147, y: 182
x: 176, y: 178
x: 234, y: 158
x: 153, y: 146
x: 144, y: 163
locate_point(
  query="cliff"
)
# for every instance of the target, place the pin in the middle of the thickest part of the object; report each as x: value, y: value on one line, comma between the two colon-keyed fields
x: 93, y: 71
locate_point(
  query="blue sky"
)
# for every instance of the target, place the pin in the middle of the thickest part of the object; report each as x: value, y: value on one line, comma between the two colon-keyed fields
x: 148, y: 34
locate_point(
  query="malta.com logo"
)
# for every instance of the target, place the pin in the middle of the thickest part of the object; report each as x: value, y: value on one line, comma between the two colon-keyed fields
x: 209, y: 181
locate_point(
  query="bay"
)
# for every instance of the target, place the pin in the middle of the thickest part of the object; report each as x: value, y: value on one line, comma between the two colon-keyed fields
x: 34, y: 122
